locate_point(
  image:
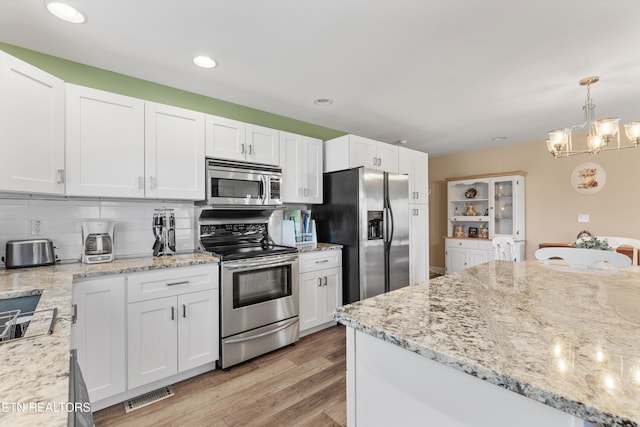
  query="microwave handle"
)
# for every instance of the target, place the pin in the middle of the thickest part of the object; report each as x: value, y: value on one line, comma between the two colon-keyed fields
x: 265, y: 188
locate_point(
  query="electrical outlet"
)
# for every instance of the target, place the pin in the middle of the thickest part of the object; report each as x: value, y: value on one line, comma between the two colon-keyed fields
x: 37, y: 228
x: 583, y: 217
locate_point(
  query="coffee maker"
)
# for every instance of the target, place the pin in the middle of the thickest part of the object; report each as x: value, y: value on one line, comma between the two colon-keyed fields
x: 97, y: 241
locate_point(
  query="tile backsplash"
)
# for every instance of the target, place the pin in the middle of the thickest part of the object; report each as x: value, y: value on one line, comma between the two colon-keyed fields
x: 60, y: 221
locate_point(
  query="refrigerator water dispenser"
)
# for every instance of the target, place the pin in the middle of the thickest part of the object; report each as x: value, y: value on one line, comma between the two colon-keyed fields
x: 376, y: 223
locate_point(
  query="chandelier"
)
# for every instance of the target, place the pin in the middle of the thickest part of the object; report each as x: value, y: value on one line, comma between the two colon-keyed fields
x: 601, y: 132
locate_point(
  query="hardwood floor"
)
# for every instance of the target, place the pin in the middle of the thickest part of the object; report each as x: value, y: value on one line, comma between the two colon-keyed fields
x: 299, y: 385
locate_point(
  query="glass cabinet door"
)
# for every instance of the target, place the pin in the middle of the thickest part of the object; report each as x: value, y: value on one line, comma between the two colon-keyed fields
x: 502, y: 218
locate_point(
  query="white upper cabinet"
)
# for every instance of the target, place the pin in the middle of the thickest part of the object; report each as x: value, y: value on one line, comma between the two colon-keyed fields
x: 301, y: 161
x: 174, y: 152
x: 263, y: 145
x: 415, y: 164
x: 105, y: 143
x: 234, y: 140
x: 118, y: 146
x: 225, y: 138
x: 352, y: 151
x: 31, y: 128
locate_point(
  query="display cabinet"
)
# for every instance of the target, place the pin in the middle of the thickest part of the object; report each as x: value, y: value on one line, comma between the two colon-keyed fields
x: 480, y: 208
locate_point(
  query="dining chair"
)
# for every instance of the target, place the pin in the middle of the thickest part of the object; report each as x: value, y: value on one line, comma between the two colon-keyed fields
x: 505, y: 248
x: 616, y: 242
x: 584, y: 258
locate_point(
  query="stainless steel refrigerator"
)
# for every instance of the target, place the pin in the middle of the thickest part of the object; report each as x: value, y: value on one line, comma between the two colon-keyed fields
x: 367, y: 211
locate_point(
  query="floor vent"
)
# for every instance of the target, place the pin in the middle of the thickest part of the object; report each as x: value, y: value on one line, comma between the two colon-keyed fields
x: 147, y: 399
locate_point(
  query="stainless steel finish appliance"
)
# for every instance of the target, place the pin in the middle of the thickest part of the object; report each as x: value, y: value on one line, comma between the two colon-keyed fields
x: 367, y: 211
x: 240, y: 185
x: 259, y: 304
x: 97, y: 241
x: 29, y: 253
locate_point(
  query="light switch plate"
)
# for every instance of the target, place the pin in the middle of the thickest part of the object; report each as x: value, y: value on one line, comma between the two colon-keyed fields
x: 583, y: 217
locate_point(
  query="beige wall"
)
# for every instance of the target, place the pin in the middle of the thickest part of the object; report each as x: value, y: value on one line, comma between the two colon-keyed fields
x: 552, y: 205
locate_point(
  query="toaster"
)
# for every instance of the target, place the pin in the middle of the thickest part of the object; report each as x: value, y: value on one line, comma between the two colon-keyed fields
x: 29, y: 253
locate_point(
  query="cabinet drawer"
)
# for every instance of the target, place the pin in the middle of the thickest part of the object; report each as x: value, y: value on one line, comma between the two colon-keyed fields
x: 312, y: 261
x: 171, y: 282
x: 462, y: 243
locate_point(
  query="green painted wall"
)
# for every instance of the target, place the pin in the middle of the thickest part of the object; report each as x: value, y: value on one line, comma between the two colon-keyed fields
x: 74, y: 72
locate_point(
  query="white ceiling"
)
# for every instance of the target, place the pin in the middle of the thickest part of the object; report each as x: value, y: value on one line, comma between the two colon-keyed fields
x: 445, y: 75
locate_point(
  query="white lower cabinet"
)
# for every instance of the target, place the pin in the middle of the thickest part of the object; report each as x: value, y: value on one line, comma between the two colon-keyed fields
x: 419, y: 243
x: 465, y: 253
x: 98, y: 334
x: 320, y: 285
x: 170, y: 335
x: 140, y: 331
x: 176, y: 328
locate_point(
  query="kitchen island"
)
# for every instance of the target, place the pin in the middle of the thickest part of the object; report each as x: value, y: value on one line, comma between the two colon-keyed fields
x: 34, y: 372
x: 499, y: 344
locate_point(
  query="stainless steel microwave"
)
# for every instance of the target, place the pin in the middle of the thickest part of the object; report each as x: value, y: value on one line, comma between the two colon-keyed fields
x: 234, y: 185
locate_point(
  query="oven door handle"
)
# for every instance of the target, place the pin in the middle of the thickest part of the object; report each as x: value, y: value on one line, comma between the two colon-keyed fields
x: 243, y: 264
x: 263, y: 334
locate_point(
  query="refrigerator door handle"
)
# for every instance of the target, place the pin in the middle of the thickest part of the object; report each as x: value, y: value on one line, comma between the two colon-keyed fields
x: 390, y: 224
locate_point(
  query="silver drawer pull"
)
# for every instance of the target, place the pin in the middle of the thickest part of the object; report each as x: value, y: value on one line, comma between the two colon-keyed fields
x: 173, y: 313
x: 184, y: 310
x: 322, y: 261
x: 184, y: 282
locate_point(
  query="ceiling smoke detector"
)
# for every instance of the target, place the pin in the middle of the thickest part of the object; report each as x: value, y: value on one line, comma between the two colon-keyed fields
x: 323, y: 102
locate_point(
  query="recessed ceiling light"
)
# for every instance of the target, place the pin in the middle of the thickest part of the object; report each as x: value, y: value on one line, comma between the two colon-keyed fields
x: 323, y: 102
x: 204, y: 62
x: 66, y: 13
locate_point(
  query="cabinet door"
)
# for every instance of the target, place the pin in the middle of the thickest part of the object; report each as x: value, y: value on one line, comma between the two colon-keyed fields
x: 387, y: 157
x: 32, y: 130
x: 225, y: 138
x: 477, y: 256
x: 197, y: 329
x: 263, y: 145
x: 98, y: 334
x: 332, y: 292
x: 419, y: 178
x: 507, y: 207
x: 415, y: 164
x: 105, y: 143
x: 419, y: 246
x: 456, y: 259
x: 312, y: 170
x: 363, y: 152
x: 174, y: 152
x: 292, y: 167
x: 152, y: 341
x: 311, y: 289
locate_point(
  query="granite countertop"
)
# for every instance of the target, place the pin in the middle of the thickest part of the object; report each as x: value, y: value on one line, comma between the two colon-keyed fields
x: 34, y: 372
x: 566, y: 338
x: 320, y: 247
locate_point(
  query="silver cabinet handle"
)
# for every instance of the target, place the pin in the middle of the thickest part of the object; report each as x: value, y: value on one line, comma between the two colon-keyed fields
x: 379, y: 161
x: 153, y: 182
x: 324, y: 281
x: 322, y: 261
x: 183, y: 282
x: 319, y: 282
x: 241, y: 148
x: 173, y: 313
x: 60, y: 173
x: 184, y: 310
x: 250, y: 149
x: 375, y: 161
x: 140, y: 182
x: 74, y: 315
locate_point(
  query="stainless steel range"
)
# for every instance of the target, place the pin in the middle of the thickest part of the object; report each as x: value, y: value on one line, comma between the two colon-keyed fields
x: 258, y: 284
